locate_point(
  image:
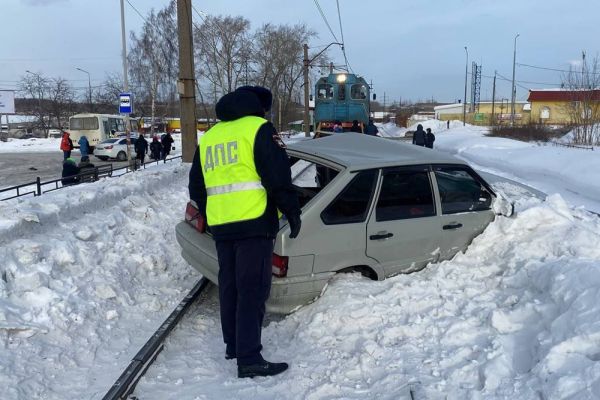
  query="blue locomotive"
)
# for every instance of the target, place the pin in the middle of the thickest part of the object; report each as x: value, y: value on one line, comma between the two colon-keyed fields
x: 341, y: 98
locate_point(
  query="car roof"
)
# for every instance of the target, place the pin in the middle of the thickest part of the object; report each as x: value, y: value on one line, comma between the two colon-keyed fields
x: 360, y: 151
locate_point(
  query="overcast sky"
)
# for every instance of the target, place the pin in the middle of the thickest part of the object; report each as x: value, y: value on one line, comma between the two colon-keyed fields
x: 410, y: 49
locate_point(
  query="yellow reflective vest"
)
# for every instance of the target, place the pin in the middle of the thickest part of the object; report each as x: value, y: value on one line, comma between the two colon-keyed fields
x: 233, y: 187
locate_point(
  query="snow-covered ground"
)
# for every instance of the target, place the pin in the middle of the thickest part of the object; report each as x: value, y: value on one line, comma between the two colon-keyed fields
x: 88, y: 272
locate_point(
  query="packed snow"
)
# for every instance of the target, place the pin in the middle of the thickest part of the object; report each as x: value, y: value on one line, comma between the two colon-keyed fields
x: 88, y: 273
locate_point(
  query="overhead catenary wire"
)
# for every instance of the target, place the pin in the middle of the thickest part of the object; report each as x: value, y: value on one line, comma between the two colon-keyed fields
x: 553, y: 69
x: 342, y: 35
x: 325, y: 19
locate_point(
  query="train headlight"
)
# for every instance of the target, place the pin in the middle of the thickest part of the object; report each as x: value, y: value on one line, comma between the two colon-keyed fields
x: 341, y: 78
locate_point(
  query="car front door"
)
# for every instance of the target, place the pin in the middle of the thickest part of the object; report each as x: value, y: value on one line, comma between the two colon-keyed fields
x: 466, y: 206
x: 403, y: 229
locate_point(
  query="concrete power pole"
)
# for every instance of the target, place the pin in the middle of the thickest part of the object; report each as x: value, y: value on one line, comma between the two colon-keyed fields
x: 125, y: 82
x: 306, y: 108
x: 493, y: 121
x: 186, y: 82
x: 513, y: 87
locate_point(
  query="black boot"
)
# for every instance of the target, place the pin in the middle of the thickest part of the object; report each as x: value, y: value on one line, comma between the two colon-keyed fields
x: 263, y: 369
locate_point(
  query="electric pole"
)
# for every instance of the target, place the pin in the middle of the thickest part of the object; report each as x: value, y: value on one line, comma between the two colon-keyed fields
x: 125, y: 81
x: 306, y: 106
x: 513, y: 89
x: 186, y: 82
x: 493, y: 121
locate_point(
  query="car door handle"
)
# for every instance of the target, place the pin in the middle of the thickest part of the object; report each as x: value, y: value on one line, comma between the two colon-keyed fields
x: 452, y: 226
x: 380, y: 236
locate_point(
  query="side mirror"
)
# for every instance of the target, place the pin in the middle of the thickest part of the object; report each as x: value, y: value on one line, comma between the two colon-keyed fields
x: 503, y: 206
x: 374, y: 96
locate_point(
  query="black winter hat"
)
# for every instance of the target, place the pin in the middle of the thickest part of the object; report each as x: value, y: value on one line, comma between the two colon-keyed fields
x: 263, y: 94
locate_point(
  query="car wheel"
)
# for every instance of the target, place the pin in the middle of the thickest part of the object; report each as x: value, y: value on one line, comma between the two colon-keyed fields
x: 122, y: 156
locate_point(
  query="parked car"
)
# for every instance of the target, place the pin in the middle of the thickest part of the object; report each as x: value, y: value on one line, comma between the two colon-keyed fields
x: 371, y: 205
x: 114, y: 148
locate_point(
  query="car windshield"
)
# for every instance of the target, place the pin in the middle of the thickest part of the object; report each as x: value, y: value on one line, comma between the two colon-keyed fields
x: 108, y: 141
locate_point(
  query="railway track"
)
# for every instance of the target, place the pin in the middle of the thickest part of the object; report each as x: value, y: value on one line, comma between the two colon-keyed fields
x: 128, y: 380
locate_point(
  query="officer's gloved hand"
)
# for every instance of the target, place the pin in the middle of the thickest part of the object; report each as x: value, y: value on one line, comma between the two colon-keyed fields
x: 295, y: 224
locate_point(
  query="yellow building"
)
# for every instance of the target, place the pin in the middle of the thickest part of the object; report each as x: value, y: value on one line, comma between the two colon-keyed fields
x: 483, y: 115
x: 556, y: 106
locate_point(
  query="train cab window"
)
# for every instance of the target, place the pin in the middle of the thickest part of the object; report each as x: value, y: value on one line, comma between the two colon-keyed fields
x: 342, y: 91
x: 358, y: 92
x: 325, y: 91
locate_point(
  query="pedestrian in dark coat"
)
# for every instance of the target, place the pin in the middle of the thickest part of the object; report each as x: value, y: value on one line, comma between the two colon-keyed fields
x: 155, y: 149
x: 141, y: 148
x: 429, y: 138
x: 419, y: 137
x: 355, y: 127
x: 245, y: 246
x: 167, y: 142
x: 84, y: 146
x: 371, y: 129
x: 69, y: 170
x: 85, y: 166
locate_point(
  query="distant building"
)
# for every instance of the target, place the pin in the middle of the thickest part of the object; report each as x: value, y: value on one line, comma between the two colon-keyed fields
x: 383, y: 116
x: 483, y: 114
x: 555, y: 106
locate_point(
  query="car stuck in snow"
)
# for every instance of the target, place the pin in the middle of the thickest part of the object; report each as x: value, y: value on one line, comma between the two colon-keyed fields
x: 369, y: 205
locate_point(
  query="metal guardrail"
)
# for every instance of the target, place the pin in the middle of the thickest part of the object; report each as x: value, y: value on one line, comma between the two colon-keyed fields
x: 36, y: 188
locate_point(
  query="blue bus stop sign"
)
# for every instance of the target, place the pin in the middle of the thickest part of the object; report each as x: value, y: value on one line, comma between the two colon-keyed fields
x: 125, y: 103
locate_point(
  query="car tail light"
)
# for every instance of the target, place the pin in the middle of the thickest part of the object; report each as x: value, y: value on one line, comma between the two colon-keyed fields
x: 194, y: 218
x: 279, y: 265
x: 108, y: 147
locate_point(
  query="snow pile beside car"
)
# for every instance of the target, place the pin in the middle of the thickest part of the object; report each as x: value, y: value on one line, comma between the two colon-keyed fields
x: 515, y: 316
x: 87, y: 273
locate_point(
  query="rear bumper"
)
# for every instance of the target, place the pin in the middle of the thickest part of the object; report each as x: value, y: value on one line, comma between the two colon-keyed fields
x: 287, y: 293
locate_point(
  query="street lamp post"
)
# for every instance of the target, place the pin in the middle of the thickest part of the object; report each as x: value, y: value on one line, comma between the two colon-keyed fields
x: 465, y: 98
x: 513, y: 89
x: 89, y: 86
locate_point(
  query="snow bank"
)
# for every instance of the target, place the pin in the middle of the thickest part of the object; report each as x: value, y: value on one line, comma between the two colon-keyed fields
x: 515, y: 316
x: 552, y: 169
x: 39, y: 145
x: 87, y: 274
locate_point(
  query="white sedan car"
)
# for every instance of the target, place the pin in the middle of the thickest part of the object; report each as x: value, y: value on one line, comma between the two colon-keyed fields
x: 114, y: 148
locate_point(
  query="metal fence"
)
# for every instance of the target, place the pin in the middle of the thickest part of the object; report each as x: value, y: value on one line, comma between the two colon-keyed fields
x: 37, y: 187
x: 573, y: 146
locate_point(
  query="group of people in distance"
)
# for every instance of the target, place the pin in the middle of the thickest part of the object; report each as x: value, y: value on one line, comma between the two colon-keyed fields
x: 422, y: 138
x: 370, y: 129
x: 159, y: 150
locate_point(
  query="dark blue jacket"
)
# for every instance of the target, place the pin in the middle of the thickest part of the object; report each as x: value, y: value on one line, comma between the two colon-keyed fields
x: 371, y: 129
x: 419, y: 137
x: 272, y: 165
x: 84, y: 146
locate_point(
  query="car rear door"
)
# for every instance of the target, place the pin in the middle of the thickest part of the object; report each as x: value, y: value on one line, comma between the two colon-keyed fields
x: 403, y: 231
x: 466, y: 206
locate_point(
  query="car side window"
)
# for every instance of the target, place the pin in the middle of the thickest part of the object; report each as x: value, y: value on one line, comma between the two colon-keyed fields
x: 405, y: 194
x: 123, y: 141
x: 352, y: 204
x: 461, y: 191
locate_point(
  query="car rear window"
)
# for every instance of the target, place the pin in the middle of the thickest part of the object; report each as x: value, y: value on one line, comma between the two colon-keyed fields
x: 405, y: 194
x: 352, y: 204
x: 309, y: 178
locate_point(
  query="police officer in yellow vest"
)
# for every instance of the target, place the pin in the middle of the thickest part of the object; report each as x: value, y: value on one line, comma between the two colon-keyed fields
x: 240, y: 178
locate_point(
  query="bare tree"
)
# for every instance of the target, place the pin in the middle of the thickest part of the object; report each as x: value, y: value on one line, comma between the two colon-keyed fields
x: 107, y: 95
x: 278, y: 62
x: 223, y: 48
x: 54, y: 99
x: 583, y: 108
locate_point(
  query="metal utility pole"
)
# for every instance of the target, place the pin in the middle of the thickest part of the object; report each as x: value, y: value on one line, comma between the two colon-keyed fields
x: 513, y: 89
x: 186, y: 82
x: 493, y: 121
x: 306, y: 106
x: 125, y: 81
x: 465, y: 98
x: 89, y: 86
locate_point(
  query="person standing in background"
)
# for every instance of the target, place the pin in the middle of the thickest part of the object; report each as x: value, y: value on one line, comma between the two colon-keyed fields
x: 429, y: 138
x: 66, y: 145
x: 84, y: 146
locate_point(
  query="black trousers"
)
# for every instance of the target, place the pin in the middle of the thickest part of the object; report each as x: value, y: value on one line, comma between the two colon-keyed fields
x: 244, y: 287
